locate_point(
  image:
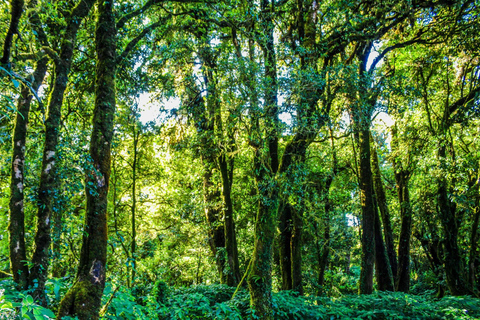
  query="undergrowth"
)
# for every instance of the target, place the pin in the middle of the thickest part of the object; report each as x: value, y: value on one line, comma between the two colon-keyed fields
x: 159, y: 301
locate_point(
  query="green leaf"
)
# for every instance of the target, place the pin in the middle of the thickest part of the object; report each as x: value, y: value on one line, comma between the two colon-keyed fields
x: 29, y: 299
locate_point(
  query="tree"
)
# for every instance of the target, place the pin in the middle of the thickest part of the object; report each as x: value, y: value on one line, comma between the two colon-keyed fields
x: 84, y: 298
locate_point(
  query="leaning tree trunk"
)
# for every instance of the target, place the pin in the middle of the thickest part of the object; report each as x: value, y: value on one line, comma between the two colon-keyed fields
x: 84, y: 298
x: 17, y: 226
x: 47, y: 191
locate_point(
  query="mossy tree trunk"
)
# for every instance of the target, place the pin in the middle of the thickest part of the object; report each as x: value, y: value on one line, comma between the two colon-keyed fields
x: 265, y: 143
x: 84, y: 298
x: 47, y: 191
x: 294, y: 156
x: 17, y: 226
x: 260, y: 275
x: 382, y: 264
x: 384, y: 212
x: 368, y: 213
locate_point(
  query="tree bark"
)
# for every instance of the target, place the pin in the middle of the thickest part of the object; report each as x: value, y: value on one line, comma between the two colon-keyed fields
x: 368, y: 213
x: 453, y: 262
x: 17, y: 225
x: 260, y: 275
x: 382, y: 264
x: 266, y: 166
x: 84, y: 298
x: 403, y: 276
x: 284, y: 243
x: 47, y: 191
x: 233, y: 274
x: 384, y: 212
x: 15, y: 15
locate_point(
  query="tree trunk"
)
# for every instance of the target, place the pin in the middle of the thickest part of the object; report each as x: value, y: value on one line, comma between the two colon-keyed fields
x: 384, y: 212
x: 260, y: 275
x: 284, y: 243
x: 47, y: 191
x: 133, y: 246
x: 453, y: 262
x: 474, y: 240
x: 84, y: 298
x: 17, y: 226
x: 233, y: 274
x: 266, y: 166
x: 382, y: 264
x: 403, y: 276
x: 16, y: 14
x: 368, y: 212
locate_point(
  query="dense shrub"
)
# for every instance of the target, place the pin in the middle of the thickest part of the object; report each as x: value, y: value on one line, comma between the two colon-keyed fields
x: 214, y: 302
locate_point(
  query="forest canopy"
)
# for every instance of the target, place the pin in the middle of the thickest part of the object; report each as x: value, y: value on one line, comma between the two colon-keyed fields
x: 239, y: 159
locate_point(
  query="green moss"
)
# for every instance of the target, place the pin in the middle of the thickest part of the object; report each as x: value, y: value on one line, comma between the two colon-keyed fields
x: 82, y: 301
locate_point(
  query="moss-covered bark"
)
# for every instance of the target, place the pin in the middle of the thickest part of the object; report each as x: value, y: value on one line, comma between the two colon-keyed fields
x: 48, y: 179
x: 84, y: 298
x: 266, y: 166
x: 384, y: 212
x: 368, y: 213
x: 231, y: 248
x: 17, y: 227
x: 293, y: 158
x: 382, y: 264
x: 260, y: 275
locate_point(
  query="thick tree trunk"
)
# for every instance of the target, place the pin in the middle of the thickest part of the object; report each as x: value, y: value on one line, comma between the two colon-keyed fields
x: 368, y: 212
x: 260, y: 275
x: 84, y: 298
x: 384, y: 212
x: 47, y: 191
x: 17, y: 226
